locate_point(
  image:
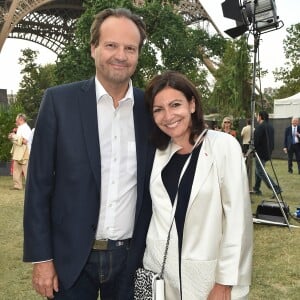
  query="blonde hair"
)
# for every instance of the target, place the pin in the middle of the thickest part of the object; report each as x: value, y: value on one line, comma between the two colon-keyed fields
x: 226, y: 119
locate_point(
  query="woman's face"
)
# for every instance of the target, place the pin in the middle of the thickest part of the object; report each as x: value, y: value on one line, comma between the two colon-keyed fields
x: 172, y: 114
x: 227, y: 124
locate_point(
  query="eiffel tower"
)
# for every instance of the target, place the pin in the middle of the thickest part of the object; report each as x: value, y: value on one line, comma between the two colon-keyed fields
x: 46, y: 22
x: 51, y: 23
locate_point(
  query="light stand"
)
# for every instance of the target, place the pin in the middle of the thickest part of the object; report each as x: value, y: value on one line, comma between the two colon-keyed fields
x: 262, y: 14
x: 251, y: 150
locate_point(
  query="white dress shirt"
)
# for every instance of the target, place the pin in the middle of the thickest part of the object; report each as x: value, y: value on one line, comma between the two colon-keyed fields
x: 118, y: 165
x: 25, y: 132
x: 294, y: 133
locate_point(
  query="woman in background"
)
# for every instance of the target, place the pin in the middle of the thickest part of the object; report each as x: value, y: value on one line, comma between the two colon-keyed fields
x: 226, y: 126
x: 210, y: 249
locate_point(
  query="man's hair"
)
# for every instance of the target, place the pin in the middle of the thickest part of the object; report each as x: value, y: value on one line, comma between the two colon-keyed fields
x: 264, y: 115
x: 118, y: 13
x: 22, y: 116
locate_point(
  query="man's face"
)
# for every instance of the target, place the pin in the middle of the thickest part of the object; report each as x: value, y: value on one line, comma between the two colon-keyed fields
x: 116, y: 55
x: 295, y: 121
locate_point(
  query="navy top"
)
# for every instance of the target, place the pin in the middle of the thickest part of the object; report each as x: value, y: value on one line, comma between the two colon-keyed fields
x: 170, y: 178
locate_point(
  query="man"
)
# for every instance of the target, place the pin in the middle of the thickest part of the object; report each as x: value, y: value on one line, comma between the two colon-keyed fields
x: 21, y: 140
x: 292, y: 143
x: 246, y: 136
x: 87, y: 170
x: 264, y: 145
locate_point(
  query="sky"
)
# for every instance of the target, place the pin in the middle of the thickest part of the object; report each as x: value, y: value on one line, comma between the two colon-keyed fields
x: 270, y: 49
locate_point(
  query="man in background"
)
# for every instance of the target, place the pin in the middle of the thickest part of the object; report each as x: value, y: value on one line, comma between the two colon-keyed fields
x: 264, y: 145
x: 292, y: 143
x: 21, y: 140
x: 246, y: 136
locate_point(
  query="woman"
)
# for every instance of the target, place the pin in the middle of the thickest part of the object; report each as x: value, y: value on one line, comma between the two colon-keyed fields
x: 210, y: 249
x: 226, y: 126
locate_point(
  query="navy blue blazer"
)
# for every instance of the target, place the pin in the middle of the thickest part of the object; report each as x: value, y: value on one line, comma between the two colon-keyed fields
x: 288, y: 136
x: 62, y: 196
x: 264, y: 140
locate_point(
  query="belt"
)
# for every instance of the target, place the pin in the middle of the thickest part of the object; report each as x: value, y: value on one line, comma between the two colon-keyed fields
x: 107, y: 244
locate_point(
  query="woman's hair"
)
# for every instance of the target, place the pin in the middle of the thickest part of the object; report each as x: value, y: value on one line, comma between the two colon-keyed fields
x: 118, y: 13
x: 180, y: 83
x: 226, y: 119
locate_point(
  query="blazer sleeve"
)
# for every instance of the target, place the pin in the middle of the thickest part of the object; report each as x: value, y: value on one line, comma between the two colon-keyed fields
x: 39, y: 185
x: 236, y: 247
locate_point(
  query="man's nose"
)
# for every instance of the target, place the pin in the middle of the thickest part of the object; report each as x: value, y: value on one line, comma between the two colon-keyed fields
x: 121, y: 53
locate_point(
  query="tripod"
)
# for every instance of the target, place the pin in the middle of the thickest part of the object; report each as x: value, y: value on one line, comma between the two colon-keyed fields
x: 252, y: 150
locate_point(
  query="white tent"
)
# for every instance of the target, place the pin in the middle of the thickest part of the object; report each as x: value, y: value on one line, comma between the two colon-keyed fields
x: 287, y: 107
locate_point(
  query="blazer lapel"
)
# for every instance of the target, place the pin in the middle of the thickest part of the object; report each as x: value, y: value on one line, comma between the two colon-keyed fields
x: 88, y: 111
x: 204, y: 164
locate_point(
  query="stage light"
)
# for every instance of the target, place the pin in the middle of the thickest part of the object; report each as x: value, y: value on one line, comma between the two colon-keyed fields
x: 262, y: 14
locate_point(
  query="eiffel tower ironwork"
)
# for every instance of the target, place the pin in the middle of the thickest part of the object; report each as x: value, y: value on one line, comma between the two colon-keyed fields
x: 47, y: 22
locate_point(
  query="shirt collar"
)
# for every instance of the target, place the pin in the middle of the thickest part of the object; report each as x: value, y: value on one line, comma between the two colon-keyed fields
x: 100, y: 91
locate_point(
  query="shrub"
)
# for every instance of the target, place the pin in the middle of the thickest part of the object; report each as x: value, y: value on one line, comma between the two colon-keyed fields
x: 7, y: 123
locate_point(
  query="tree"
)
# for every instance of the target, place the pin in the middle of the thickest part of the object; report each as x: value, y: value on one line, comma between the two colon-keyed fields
x: 7, y: 123
x: 232, y: 90
x: 290, y: 75
x: 36, y: 79
x: 170, y: 45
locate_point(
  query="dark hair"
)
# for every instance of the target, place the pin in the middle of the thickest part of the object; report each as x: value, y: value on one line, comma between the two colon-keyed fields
x: 264, y: 115
x: 180, y: 83
x: 119, y: 13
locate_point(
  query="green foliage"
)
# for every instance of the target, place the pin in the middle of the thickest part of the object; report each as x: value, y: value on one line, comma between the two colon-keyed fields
x: 232, y: 91
x: 35, y: 80
x: 290, y: 75
x: 171, y: 45
x: 7, y: 123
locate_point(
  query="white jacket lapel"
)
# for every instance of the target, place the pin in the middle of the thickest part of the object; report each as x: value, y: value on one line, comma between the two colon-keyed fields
x: 204, y: 164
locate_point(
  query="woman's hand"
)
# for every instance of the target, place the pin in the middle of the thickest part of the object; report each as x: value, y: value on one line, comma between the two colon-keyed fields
x: 220, y: 292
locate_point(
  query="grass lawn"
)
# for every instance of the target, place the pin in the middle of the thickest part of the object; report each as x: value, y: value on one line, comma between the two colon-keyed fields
x: 276, y: 266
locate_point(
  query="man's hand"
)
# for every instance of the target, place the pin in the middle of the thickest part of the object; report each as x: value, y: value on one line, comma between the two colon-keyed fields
x: 44, y: 278
x: 220, y: 292
x: 285, y: 150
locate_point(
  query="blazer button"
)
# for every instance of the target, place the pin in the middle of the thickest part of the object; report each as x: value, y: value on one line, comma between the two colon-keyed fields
x: 94, y: 227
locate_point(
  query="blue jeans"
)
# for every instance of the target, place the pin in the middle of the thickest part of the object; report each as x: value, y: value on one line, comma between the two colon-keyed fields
x: 260, y: 175
x: 101, y: 273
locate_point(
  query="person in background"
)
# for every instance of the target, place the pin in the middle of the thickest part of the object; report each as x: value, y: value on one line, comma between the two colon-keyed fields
x: 246, y: 136
x: 264, y: 145
x: 226, y: 127
x: 21, y: 140
x: 87, y: 170
x: 211, y: 237
x: 216, y: 127
x: 292, y: 143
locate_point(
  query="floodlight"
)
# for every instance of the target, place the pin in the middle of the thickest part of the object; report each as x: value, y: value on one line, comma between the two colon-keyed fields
x: 262, y: 14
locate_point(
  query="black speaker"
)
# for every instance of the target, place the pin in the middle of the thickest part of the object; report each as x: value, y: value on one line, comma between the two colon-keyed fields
x: 270, y: 210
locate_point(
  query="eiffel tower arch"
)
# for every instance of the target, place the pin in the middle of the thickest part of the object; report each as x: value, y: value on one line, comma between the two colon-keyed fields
x: 49, y: 23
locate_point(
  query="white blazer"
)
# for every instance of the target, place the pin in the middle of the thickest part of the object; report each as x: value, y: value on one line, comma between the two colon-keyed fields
x: 217, y: 237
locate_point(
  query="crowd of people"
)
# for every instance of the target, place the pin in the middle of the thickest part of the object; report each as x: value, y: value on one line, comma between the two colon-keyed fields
x: 103, y: 183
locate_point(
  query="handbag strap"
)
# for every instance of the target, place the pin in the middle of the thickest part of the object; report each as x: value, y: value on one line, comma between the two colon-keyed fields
x: 198, y: 142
